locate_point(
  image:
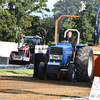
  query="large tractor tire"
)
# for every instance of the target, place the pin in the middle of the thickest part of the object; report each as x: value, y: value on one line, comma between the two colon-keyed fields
x: 38, y: 58
x: 41, y: 71
x: 84, y: 63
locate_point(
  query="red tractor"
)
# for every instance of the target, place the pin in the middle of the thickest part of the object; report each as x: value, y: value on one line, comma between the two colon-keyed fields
x: 25, y: 54
x: 32, y: 51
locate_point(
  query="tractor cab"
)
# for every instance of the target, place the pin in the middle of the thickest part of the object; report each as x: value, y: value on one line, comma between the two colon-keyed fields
x: 30, y: 42
x: 63, y: 49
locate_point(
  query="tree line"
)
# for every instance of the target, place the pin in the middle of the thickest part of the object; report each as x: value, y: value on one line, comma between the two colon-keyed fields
x: 16, y: 14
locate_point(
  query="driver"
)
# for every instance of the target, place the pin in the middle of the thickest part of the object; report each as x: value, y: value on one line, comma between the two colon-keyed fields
x: 71, y: 40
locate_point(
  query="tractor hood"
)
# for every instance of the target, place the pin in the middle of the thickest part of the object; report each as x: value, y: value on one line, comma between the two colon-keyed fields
x: 62, y: 45
x: 24, y: 47
x: 60, y: 53
x: 24, y: 50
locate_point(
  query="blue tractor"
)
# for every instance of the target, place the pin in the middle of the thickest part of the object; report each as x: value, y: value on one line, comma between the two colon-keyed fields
x: 58, y: 60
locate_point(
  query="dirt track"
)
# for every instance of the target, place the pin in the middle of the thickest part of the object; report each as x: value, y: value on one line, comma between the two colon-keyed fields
x: 25, y: 87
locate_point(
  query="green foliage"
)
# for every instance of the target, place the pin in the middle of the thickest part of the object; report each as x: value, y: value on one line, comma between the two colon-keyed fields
x: 47, y: 27
x: 17, y: 14
x: 69, y: 23
x: 85, y: 24
x: 34, y: 29
x: 50, y: 43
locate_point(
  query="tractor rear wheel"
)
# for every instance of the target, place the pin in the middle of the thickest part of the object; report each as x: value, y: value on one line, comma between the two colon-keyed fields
x: 84, y: 63
x: 41, y: 71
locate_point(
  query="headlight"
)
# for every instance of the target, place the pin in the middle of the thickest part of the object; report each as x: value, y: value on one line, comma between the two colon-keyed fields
x: 56, y: 57
x: 51, y: 57
x: 36, y: 48
x: 60, y: 57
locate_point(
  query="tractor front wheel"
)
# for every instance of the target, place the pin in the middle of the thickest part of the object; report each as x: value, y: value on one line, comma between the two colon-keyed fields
x: 71, y: 72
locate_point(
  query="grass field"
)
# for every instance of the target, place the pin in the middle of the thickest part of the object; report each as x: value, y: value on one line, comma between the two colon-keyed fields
x: 9, y: 71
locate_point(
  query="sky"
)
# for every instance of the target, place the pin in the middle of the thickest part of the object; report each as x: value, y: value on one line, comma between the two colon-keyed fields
x: 50, y: 4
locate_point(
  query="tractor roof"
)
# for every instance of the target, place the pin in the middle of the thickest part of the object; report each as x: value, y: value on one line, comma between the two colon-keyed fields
x: 23, y: 36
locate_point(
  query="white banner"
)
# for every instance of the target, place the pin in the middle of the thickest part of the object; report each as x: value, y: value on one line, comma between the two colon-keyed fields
x: 41, y: 49
x: 95, y: 91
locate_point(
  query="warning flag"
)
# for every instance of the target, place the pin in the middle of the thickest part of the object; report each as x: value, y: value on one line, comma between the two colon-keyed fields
x: 96, y: 27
